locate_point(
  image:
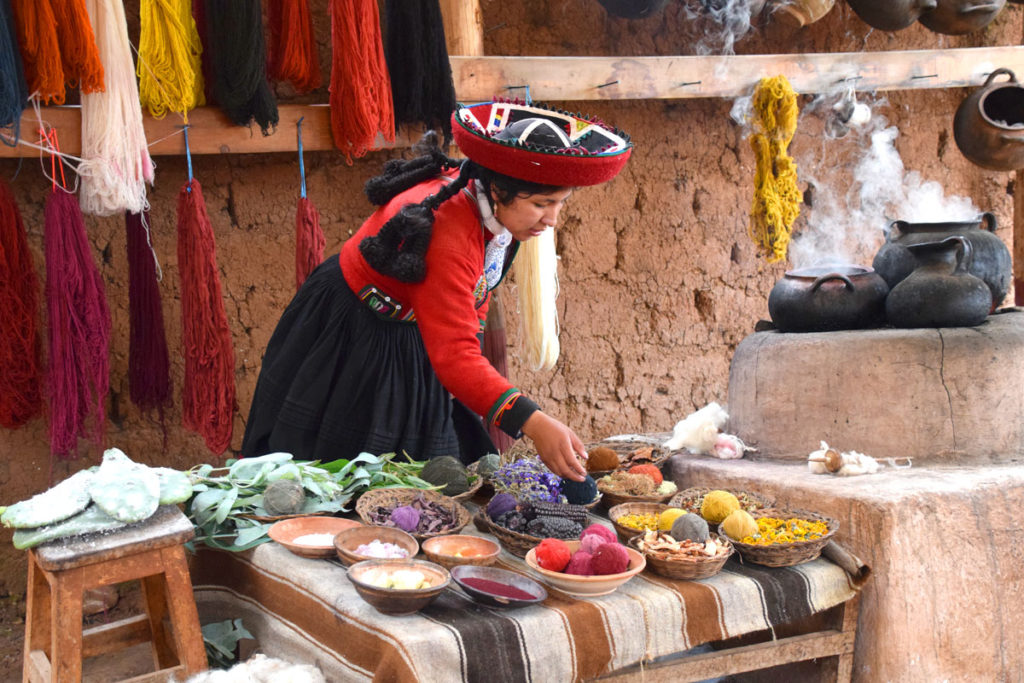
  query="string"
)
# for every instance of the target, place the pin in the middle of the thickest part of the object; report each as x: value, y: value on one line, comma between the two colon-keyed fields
x: 529, y: 100
x: 188, y: 157
x: 302, y: 166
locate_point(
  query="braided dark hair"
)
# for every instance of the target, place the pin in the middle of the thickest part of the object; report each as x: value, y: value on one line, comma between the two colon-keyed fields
x: 399, y: 249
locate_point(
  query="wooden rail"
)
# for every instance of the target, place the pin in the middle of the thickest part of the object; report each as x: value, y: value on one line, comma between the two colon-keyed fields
x: 570, y: 79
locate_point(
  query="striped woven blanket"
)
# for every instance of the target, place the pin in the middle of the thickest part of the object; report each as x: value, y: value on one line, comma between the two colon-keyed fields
x: 307, y: 611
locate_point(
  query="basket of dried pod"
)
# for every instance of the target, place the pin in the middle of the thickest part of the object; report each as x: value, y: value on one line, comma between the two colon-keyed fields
x: 688, y: 560
x: 604, y: 457
x: 420, y: 512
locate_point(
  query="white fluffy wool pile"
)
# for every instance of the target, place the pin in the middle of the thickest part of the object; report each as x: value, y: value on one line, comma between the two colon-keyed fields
x: 698, y: 431
x: 262, y: 669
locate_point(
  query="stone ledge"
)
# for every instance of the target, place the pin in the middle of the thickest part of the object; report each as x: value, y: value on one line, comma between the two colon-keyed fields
x: 944, y: 544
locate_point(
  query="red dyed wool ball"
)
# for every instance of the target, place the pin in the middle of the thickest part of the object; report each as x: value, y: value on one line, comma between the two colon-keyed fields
x: 552, y: 554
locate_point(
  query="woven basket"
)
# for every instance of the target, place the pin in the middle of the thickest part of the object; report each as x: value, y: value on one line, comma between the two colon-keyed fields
x: 692, y: 498
x: 623, y: 509
x: 686, y: 568
x: 396, y: 497
x: 516, y: 543
x: 624, y: 449
x: 483, y: 484
x: 474, y: 487
x: 610, y: 500
x: 788, y: 554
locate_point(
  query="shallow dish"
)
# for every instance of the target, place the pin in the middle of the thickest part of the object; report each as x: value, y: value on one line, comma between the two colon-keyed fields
x: 588, y: 586
x: 287, y: 530
x: 502, y: 576
x: 397, y: 601
x: 461, y: 549
x: 346, y: 542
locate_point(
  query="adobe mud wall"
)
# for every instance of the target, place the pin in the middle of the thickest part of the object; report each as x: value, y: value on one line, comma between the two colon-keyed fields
x: 659, y: 280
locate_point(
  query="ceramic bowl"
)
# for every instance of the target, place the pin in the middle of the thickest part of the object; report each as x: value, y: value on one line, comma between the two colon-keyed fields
x: 287, y: 530
x: 587, y: 586
x: 459, y: 549
x: 346, y: 542
x: 397, y: 601
x: 478, y: 592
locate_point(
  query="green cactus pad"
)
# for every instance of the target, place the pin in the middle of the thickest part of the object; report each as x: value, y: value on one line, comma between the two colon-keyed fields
x: 67, y: 498
x: 175, y: 486
x: 125, y: 490
x: 89, y: 520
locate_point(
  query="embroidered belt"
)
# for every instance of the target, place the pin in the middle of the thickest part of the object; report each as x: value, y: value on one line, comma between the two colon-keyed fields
x: 385, y: 306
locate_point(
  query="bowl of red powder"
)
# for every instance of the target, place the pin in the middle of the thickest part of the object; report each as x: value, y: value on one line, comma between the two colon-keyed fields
x: 498, y: 587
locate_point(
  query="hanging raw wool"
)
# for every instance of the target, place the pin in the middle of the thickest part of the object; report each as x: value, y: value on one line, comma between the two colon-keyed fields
x: 40, y: 49
x: 309, y: 237
x: 291, y: 53
x: 208, y: 392
x: 234, y: 40
x: 417, y: 57
x: 149, y: 381
x: 360, y: 98
x: 79, y: 328
x: 115, y: 163
x: 13, y: 88
x: 777, y: 198
x: 78, y: 52
x: 20, y: 359
x: 169, y: 70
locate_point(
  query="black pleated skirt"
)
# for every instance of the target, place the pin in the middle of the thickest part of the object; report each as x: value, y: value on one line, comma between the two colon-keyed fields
x: 338, y: 380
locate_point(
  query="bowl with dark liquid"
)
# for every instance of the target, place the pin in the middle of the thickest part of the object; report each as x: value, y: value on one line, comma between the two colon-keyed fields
x: 498, y: 587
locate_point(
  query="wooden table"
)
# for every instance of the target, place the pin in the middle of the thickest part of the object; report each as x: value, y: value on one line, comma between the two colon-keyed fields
x: 306, y: 610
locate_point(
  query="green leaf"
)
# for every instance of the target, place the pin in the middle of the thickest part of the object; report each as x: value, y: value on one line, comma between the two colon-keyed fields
x: 287, y: 471
x: 204, y: 505
x: 249, y: 534
x: 250, y: 468
x: 225, y: 505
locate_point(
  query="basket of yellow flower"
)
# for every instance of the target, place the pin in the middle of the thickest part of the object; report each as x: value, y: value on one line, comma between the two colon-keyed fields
x: 632, y: 519
x: 786, y: 537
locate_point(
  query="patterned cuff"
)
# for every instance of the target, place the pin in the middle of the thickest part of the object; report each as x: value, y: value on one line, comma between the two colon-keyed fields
x: 510, y: 411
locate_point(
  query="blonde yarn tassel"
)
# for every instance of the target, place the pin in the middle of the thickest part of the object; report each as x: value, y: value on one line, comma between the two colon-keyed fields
x: 115, y: 160
x: 170, y: 74
x: 536, y: 273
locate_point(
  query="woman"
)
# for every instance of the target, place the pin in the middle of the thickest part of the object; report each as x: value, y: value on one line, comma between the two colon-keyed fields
x: 380, y: 349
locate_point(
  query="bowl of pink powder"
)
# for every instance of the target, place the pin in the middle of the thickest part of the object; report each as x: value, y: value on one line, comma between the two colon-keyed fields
x: 498, y: 587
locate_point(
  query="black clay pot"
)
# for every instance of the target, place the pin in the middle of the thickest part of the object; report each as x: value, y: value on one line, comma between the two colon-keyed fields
x: 941, y: 292
x: 828, y: 298
x: 990, y: 256
x: 891, y: 15
x: 987, y: 125
x: 956, y: 17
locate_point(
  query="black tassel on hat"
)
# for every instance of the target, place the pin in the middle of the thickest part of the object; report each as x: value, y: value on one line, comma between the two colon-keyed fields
x: 417, y: 57
x: 234, y: 39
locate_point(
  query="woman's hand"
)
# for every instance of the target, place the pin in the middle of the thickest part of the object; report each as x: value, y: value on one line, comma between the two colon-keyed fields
x: 557, y: 445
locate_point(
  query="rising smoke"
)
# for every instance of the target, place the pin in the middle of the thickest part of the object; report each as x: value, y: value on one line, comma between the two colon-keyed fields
x: 858, y: 183
x: 720, y: 23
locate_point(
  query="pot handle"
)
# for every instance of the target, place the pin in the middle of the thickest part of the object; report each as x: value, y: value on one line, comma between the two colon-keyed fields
x: 964, y: 253
x: 980, y: 7
x: 988, y: 221
x: 1000, y: 70
x: 900, y: 226
x: 833, y: 276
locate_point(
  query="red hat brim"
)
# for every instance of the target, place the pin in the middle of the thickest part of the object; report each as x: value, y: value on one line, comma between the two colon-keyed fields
x: 571, y: 166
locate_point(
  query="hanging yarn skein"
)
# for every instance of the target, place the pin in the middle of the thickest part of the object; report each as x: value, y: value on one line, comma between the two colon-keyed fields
x: 309, y: 237
x: 536, y: 274
x: 20, y: 349
x: 79, y: 328
x: 169, y: 70
x: 78, y: 52
x: 40, y: 49
x: 115, y: 163
x: 238, y: 54
x: 149, y: 381
x: 13, y: 88
x: 291, y: 52
x: 208, y: 391
x: 777, y: 198
x: 418, y: 64
x: 360, y: 99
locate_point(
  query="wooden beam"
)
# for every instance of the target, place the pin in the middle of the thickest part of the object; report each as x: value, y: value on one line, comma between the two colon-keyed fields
x: 630, y: 78
x: 463, y: 27
x: 569, y: 79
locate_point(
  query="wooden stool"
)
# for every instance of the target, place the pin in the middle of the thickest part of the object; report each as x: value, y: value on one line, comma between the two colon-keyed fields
x: 59, y: 573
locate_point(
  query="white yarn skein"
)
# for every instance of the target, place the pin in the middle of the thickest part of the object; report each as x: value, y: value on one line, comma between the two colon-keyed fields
x: 115, y: 159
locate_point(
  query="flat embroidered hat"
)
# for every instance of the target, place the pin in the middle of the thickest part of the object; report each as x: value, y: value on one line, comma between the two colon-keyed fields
x: 540, y: 145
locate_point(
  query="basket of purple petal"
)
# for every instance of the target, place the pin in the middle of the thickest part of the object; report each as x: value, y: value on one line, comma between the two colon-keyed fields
x: 421, y: 513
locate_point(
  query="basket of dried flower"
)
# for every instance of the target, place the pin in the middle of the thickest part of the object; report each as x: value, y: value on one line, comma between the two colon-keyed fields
x: 786, y: 537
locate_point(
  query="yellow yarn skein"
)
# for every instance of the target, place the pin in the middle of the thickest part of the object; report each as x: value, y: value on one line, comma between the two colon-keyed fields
x: 777, y: 198
x: 169, y: 70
